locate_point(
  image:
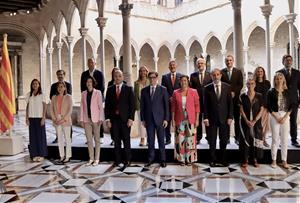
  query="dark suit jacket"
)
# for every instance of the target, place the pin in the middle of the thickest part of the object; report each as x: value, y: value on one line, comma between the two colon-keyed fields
x: 53, y: 89
x: 98, y: 75
x: 157, y: 108
x: 235, y: 82
x: 218, y: 111
x: 125, y: 103
x: 195, y: 83
x: 167, y: 82
x: 293, y: 83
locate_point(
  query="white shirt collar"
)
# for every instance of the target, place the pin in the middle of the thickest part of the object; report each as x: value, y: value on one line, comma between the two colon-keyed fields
x: 120, y: 86
x: 92, y: 73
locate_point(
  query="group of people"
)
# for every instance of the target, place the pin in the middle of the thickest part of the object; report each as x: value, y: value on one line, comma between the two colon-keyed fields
x: 182, y: 102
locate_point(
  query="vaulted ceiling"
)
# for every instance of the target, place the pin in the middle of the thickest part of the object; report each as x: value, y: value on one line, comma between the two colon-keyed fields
x: 20, y: 5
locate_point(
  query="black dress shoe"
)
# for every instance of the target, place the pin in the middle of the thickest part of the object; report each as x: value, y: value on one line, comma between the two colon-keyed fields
x: 295, y: 144
x: 54, y: 141
x: 116, y: 164
x: 212, y: 164
x: 225, y: 164
x: 168, y: 142
x: 163, y: 164
x: 148, y: 164
x: 126, y: 164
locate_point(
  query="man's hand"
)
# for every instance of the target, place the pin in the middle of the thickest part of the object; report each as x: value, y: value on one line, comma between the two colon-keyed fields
x: 144, y: 123
x: 129, y: 123
x: 206, y: 122
x: 229, y: 121
x: 108, y: 124
x: 43, y: 121
x: 165, y: 123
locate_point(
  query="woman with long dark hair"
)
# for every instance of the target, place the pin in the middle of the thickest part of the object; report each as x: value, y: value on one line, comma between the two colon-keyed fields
x: 35, y: 119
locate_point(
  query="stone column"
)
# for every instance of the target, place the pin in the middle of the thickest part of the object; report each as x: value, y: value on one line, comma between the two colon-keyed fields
x: 137, y: 58
x: 290, y: 19
x: 59, y: 46
x: 101, y: 24
x: 224, y: 54
x: 155, y: 59
x: 117, y: 57
x: 70, y: 44
x: 50, y: 65
x: 237, y: 34
x: 266, y: 11
x: 270, y: 71
x: 245, y: 50
x: 83, y: 33
x: 126, y: 7
x: 20, y: 73
x: 187, y: 60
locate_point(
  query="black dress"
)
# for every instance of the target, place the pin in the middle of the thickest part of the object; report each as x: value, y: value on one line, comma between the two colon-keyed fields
x: 251, y: 143
x: 263, y: 88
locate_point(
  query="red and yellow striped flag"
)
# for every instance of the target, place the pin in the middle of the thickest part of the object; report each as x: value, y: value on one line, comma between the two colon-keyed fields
x: 7, y: 97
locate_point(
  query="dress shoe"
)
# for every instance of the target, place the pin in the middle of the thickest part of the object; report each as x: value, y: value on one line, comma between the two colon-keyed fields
x: 295, y: 144
x: 168, y: 142
x: 244, y: 165
x: 285, y: 165
x: 116, y: 164
x: 163, y: 164
x: 54, y: 141
x: 255, y: 163
x: 126, y: 164
x: 212, y: 164
x: 96, y: 163
x: 148, y: 164
x: 266, y: 144
x: 225, y: 164
x: 142, y: 142
x: 66, y: 160
x: 89, y: 163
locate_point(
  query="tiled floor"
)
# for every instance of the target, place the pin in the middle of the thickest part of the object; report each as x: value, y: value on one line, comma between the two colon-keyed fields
x: 24, y: 181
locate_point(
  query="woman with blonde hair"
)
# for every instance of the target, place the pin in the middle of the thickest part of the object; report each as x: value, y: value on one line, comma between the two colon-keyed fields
x: 262, y: 86
x: 61, y: 109
x: 141, y: 82
x: 279, y: 107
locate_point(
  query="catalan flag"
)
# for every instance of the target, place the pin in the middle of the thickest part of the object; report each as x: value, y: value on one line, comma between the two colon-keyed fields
x: 7, y: 97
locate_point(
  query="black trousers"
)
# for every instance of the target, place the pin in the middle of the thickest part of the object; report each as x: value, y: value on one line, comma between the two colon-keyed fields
x: 293, y: 123
x: 120, y: 132
x: 236, y: 117
x: 199, y: 128
x: 211, y: 131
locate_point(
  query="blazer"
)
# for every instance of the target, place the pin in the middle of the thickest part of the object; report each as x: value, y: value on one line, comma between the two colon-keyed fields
x: 137, y: 94
x: 192, y: 105
x: 157, y: 108
x: 218, y: 111
x: 125, y: 103
x: 53, y: 89
x: 66, y: 109
x: 195, y: 83
x: 272, y: 100
x: 98, y: 75
x: 235, y: 82
x: 97, y: 113
x: 167, y: 82
x: 293, y: 83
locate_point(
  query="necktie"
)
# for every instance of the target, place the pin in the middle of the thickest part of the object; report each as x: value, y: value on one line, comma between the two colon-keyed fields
x: 229, y: 74
x: 118, y: 91
x: 290, y: 71
x: 152, y: 92
x: 218, y: 91
x: 201, y: 78
x: 173, y: 79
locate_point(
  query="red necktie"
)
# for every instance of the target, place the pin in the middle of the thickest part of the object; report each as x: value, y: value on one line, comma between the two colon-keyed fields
x: 173, y: 79
x: 118, y: 91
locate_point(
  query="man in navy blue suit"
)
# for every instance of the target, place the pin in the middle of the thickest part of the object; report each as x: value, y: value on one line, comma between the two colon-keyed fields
x: 155, y: 114
x: 171, y: 81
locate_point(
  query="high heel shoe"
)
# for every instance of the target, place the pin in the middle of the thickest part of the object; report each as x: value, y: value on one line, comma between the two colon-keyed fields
x: 96, y: 163
x: 89, y: 163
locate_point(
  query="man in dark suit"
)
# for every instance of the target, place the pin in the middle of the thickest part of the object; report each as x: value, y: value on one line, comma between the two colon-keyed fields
x: 119, y: 114
x: 171, y: 81
x: 98, y: 76
x: 234, y: 77
x: 53, y: 90
x: 218, y: 114
x: 199, y: 80
x: 155, y: 116
x: 292, y: 77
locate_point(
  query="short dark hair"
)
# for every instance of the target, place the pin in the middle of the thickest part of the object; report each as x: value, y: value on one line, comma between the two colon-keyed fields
x: 184, y: 76
x: 153, y: 72
x: 58, y: 71
x: 93, y: 80
x: 285, y: 57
